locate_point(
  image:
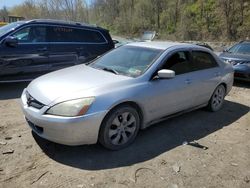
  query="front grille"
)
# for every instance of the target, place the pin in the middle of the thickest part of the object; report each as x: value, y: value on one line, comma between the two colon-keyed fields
x: 238, y: 62
x: 31, y: 101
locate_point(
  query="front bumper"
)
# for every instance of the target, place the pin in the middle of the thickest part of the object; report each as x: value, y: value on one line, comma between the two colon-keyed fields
x: 242, y: 72
x: 63, y: 130
x: 241, y: 76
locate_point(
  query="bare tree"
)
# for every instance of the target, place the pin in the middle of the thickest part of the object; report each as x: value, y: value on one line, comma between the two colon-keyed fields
x: 4, y: 14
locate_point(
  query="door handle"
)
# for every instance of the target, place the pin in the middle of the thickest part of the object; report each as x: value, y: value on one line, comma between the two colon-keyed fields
x: 44, y: 49
x: 188, y: 81
x: 79, y: 48
x: 217, y: 74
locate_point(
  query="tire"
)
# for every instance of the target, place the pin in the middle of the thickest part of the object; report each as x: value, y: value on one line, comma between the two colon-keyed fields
x: 217, y: 99
x: 119, y: 128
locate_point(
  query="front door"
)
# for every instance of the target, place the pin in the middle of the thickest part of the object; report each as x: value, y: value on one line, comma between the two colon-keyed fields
x: 29, y: 58
x: 168, y: 96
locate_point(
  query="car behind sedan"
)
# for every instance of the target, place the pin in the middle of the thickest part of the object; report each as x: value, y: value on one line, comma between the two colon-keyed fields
x: 125, y: 90
x: 29, y: 49
x: 239, y: 56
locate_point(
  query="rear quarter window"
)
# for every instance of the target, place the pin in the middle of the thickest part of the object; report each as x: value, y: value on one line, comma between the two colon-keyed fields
x: 90, y: 36
x: 203, y: 60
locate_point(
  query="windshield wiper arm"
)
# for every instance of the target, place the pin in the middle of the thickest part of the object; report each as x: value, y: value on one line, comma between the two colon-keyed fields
x: 110, y: 70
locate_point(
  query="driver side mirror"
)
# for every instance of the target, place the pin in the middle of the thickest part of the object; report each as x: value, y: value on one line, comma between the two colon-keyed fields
x: 225, y: 50
x: 11, y: 41
x: 115, y: 41
x: 166, y: 74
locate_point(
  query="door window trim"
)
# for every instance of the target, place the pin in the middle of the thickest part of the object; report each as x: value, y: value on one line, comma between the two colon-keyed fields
x: 54, y: 25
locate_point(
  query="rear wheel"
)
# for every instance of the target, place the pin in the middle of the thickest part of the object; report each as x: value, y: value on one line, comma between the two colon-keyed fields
x: 217, y: 99
x: 120, y: 127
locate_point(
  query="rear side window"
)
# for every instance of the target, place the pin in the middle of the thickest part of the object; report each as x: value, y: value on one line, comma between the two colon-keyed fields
x: 60, y: 34
x: 66, y: 34
x: 202, y: 60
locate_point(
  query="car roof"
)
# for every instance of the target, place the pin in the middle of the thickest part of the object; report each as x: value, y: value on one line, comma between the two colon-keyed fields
x: 245, y: 42
x: 62, y: 22
x: 161, y: 45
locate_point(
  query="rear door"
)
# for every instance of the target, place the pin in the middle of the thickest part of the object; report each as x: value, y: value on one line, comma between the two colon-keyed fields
x: 91, y: 43
x: 62, y: 47
x: 30, y: 57
x: 206, y: 76
x: 74, y: 45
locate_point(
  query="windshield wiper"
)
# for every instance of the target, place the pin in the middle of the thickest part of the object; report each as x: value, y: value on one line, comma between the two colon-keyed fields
x: 110, y: 70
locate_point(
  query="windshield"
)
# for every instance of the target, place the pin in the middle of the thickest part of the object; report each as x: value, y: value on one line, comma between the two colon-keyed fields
x: 127, y: 60
x: 243, y: 48
x: 7, y: 28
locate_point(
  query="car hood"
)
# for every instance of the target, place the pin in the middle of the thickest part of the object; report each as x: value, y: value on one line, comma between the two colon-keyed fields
x: 242, y: 68
x: 234, y: 56
x: 65, y: 84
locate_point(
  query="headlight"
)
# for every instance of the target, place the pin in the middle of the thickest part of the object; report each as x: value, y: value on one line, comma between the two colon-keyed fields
x: 71, y: 108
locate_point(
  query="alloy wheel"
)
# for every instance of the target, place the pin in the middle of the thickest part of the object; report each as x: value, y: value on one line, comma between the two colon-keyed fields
x: 123, y: 128
x: 218, y: 97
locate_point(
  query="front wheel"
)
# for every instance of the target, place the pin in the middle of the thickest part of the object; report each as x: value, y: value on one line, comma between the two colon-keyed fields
x: 120, y: 127
x: 217, y: 99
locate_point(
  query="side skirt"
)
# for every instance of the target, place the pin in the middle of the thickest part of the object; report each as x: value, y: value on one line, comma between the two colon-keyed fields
x: 173, y: 115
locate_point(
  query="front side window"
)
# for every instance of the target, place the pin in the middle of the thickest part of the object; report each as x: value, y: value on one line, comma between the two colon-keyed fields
x: 203, y: 60
x: 178, y: 62
x: 127, y: 60
x: 32, y: 34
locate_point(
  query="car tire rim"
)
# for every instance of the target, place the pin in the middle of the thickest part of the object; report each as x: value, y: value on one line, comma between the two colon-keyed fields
x: 218, y: 97
x: 122, y: 128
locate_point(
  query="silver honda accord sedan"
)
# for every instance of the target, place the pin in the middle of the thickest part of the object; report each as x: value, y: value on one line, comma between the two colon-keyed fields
x: 127, y: 89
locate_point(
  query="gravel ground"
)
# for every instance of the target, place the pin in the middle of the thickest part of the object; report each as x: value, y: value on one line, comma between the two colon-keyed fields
x: 217, y: 153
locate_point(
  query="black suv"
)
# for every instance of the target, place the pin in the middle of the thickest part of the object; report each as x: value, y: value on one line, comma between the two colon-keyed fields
x: 31, y: 48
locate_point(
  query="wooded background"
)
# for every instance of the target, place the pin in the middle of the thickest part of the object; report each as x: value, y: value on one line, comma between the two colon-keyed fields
x: 209, y: 20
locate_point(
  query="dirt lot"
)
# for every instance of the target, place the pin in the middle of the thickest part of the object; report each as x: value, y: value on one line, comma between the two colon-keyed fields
x: 158, y: 157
